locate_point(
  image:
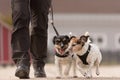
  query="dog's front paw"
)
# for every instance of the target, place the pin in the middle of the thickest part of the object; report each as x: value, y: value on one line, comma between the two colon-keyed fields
x: 88, y: 76
x: 97, y: 73
x: 83, y: 73
x: 58, y: 77
x: 75, y: 76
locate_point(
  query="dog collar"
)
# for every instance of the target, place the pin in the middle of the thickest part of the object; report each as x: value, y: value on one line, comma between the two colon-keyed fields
x: 84, y: 56
x: 62, y: 56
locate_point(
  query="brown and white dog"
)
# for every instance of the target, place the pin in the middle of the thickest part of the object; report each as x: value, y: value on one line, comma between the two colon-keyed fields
x: 87, y: 55
x: 62, y: 57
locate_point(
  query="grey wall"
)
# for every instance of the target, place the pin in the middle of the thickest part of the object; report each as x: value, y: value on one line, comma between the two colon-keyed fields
x: 106, y: 26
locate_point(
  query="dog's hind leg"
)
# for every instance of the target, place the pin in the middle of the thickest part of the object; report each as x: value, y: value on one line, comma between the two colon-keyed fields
x: 97, y: 63
x: 97, y: 67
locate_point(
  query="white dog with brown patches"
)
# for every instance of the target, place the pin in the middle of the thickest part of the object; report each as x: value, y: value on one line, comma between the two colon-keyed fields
x: 87, y: 55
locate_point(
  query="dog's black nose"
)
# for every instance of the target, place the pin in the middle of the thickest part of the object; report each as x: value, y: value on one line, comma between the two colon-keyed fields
x: 62, y: 45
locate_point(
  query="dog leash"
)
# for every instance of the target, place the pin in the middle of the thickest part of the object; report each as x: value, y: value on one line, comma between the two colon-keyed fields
x: 52, y: 20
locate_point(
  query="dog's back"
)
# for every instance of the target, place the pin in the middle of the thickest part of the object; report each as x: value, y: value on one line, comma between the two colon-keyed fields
x: 95, y: 51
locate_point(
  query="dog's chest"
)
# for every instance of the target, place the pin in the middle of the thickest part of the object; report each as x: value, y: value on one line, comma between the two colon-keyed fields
x: 64, y: 60
x: 83, y: 57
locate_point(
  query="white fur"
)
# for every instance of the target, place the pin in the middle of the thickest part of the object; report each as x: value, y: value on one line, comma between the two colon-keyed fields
x: 86, y: 34
x: 70, y: 34
x: 94, y: 57
x: 68, y: 62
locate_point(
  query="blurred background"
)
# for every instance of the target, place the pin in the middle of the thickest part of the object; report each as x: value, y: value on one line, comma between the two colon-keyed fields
x: 101, y: 18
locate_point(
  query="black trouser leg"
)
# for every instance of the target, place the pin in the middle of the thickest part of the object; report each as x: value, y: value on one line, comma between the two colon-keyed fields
x: 39, y: 22
x: 20, y: 36
x: 39, y: 35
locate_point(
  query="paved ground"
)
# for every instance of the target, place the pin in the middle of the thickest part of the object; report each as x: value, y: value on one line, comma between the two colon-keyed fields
x: 107, y: 73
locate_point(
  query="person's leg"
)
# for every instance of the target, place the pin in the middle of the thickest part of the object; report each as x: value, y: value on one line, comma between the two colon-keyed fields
x: 39, y: 22
x: 20, y: 41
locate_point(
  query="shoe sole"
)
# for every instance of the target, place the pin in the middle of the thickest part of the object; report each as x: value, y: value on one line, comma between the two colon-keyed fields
x: 40, y: 76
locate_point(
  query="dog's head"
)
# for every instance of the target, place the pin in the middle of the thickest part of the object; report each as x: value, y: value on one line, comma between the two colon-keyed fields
x: 61, y: 43
x: 76, y: 43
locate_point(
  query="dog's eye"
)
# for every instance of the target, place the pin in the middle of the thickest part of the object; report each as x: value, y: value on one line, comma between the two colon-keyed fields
x: 57, y: 42
x: 64, y: 39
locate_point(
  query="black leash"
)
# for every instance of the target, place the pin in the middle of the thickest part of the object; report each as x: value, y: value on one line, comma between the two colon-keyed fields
x: 52, y: 20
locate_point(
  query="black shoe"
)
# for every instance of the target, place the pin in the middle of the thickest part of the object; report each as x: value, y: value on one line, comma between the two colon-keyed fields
x: 22, y: 72
x: 39, y: 72
x: 38, y: 66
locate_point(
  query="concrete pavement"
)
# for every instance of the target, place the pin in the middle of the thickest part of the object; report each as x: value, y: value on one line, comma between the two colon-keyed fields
x: 107, y: 73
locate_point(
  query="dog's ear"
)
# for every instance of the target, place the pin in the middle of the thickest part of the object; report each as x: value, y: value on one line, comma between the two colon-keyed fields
x: 67, y: 38
x: 54, y: 39
x: 84, y: 38
x: 72, y: 37
x: 86, y: 34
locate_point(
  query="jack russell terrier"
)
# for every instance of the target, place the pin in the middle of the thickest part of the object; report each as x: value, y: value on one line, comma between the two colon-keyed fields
x: 62, y: 57
x: 87, y: 54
